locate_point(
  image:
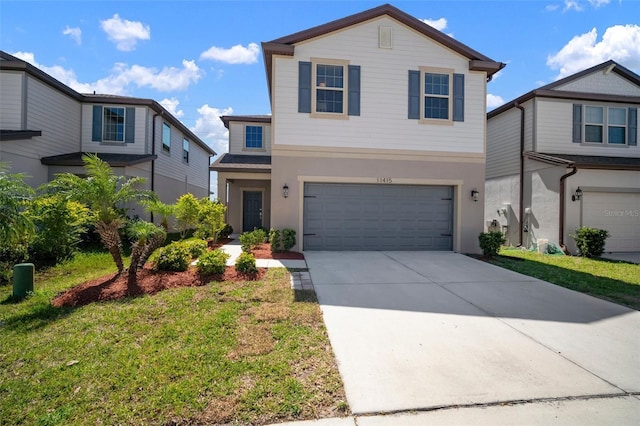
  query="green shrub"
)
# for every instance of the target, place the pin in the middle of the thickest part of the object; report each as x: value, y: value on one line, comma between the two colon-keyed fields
x: 275, y: 240
x: 196, y: 247
x: 490, y: 242
x: 246, y: 263
x: 174, y: 257
x: 10, y: 256
x: 213, y: 262
x: 288, y: 238
x: 186, y: 211
x: 250, y: 240
x: 590, y: 241
x: 226, y: 231
x: 210, y: 218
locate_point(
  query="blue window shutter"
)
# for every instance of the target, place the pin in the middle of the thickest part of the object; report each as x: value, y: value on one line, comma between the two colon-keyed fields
x: 458, y: 97
x: 130, y: 125
x: 96, y: 133
x: 414, y: 94
x: 304, y: 87
x: 577, y: 123
x: 354, y: 89
x: 633, y: 127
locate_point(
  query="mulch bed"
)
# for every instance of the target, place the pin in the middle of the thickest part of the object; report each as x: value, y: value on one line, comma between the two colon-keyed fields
x: 263, y: 251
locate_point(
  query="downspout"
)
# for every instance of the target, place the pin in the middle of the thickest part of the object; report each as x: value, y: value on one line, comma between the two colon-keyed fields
x: 521, y: 190
x: 562, y: 209
x: 153, y: 153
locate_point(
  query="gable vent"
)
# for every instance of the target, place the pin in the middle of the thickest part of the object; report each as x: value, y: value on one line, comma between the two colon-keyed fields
x: 385, y: 40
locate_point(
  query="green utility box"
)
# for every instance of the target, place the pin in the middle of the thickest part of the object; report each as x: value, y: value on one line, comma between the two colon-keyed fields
x: 23, y: 275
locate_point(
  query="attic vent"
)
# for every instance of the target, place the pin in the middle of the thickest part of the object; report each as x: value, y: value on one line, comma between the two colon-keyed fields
x: 384, y: 37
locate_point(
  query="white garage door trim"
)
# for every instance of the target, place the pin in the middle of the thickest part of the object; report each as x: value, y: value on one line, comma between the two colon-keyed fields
x: 618, y: 213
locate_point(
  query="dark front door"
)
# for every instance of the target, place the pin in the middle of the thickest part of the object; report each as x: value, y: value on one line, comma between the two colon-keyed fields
x: 251, y: 210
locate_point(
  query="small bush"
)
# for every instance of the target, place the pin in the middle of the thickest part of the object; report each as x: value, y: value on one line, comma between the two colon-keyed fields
x: 490, y: 242
x: 590, y: 241
x: 10, y: 256
x: 196, y: 247
x: 250, y: 240
x: 174, y: 257
x: 275, y: 240
x: 246, y: 263
x: 213, y: 262
x: 226, y: 231
x: 288, y: 238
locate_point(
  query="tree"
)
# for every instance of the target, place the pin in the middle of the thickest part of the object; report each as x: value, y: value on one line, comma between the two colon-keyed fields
x: 104, y: 194
x: 146, y: 237
x: 187, y: 211
x: 15, y: 194
x: 157, y: 207
x: 211, y: 218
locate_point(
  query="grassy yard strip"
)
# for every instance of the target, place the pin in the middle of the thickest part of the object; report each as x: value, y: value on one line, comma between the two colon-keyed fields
x: 248, y: 353
x: 615, y: 281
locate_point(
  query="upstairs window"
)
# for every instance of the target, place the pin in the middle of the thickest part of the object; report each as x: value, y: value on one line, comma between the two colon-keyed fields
x: 185, y: 150
x: 113, y: 124
x: 605, y: 125
x: 253, y: 137
x: 330, y: 88
x: 436, y: 96
x: 166, y: 137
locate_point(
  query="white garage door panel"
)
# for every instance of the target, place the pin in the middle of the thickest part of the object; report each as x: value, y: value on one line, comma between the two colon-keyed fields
x: 618, y: 213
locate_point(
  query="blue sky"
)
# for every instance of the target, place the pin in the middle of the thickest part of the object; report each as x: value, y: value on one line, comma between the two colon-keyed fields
x: 202, y: 59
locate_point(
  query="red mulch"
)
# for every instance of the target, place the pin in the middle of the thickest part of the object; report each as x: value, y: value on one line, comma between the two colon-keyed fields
x: 150, y: 281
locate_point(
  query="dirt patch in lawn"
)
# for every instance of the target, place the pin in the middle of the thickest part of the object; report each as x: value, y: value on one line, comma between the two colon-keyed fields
x: 263, y: 251
x: 148, y: 281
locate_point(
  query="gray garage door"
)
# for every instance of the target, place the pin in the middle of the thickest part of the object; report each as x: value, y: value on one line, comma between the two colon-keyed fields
x: 342, y: 216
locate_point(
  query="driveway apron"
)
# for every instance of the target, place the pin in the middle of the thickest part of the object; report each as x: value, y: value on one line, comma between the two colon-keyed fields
x: 428, y: 330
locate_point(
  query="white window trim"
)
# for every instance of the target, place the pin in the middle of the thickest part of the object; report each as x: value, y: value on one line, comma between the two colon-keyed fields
x: 124, y: 130
x: 605, y: 125
x: 244, y: 138
x: 432, y: 70
x: 345, y: 89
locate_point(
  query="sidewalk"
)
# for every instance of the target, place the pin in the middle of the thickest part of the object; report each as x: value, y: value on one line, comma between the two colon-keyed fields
x: 300, y: 280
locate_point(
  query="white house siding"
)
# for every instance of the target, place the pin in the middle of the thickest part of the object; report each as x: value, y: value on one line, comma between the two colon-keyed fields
x: 138, y: 147
x: 383, y: 122
x: 503, y: 144
x: 11, y: 105
x: 542, y: 197
x: 599, y: 82
x: 554, y: 131
x: 236, y: 138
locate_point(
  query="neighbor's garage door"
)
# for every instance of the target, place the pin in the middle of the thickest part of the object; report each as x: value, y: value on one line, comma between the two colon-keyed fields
x: 342, y: 216
x: 618, y: 213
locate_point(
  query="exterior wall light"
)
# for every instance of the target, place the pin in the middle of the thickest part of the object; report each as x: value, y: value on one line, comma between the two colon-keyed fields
x: 285, y: 190
x: 577, y: 195
x: 475, y: 194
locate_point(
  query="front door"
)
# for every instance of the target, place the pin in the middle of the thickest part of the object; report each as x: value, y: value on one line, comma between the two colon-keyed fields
x: 251, y: 210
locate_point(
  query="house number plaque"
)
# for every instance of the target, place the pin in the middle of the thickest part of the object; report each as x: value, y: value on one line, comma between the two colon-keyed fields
x: 384, y: 180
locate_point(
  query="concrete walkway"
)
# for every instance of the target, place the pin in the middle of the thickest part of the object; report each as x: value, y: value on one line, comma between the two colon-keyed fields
x: 441, y: 338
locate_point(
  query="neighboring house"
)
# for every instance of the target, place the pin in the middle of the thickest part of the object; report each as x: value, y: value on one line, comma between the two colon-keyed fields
x: 46, y: 127
x: 564, y: 156
x: 376, y: 142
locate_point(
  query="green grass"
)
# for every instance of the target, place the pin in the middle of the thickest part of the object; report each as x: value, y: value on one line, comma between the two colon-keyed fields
x: 247, y: 353
x: 615, y: 281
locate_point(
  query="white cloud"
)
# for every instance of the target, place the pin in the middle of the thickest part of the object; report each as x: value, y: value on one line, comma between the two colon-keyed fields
x: 123, y: 76
x: 74, y: 33
x: 125, y: 33
x: 237, y: 54
x: 438, y: 24
x: 552, y: 7
x: 598, y: 3
x: 619, y: 42
x: 572, y: 4
x: 171, y: 105
x: 494, y: 101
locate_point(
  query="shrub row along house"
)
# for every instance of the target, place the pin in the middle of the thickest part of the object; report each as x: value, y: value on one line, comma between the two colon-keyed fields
x: 46, y: 127
x: 376, y: 139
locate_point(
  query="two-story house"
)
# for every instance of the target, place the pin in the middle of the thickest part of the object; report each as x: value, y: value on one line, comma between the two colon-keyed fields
x: 566, y: 155
x: 376, y: 140
x: 46, y: 127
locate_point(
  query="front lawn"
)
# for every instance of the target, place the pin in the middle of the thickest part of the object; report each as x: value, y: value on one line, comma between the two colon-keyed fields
x: 617, y: 282
x: 251, y: 353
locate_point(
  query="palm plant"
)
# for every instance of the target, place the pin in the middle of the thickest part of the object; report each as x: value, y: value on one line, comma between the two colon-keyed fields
x: 146, y: 237
x: 103, y: 193
x: 15, y: 227
x: 157, y: 207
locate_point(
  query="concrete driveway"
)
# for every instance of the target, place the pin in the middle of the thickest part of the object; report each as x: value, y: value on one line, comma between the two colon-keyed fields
x: 439, y: 332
